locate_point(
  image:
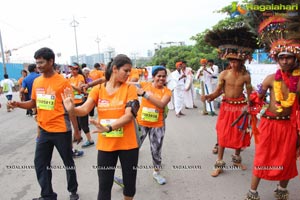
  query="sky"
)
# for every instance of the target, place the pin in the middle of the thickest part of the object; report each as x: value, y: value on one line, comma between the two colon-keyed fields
x: 131, y: 26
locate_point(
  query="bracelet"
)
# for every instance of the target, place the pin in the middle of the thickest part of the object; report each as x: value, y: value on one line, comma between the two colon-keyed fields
x: 109, y: 128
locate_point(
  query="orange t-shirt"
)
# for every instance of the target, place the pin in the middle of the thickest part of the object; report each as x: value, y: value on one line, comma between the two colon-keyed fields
x: 96, y: 74
x: 134, y: 73
x: 20, y: 84
x: 77, y: 81
x: 51, y: 114
x: 112, y: 107
x: 150, y: 115
x: 140, y: 71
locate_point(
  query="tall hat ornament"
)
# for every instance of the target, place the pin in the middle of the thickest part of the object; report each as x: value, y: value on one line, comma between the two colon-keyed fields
x: 233, y: 42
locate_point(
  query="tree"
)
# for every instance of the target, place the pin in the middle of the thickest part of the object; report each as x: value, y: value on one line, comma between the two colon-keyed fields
x: 192, y: 54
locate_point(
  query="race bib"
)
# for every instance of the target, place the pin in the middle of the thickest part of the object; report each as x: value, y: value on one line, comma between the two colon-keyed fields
x: 45, y: 101
x: 149, y: 114
x: 115, y: 133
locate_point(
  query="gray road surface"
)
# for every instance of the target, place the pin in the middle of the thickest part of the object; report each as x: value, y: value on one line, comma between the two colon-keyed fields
x: 188, y: 143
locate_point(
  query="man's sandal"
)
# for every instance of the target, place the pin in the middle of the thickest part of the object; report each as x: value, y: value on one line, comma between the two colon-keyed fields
x: 252, y: 196
x: 237, y: 162
x: 281, y: 194
x: 218, y: 169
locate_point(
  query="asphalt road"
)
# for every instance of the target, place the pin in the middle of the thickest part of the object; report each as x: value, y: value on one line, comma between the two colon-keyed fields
x: 187, y: 162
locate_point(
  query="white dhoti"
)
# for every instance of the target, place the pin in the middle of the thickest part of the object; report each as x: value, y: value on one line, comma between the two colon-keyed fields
x: 178, y: 98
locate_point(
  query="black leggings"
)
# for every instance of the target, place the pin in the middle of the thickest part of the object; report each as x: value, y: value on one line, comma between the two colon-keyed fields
x: 83, y: 122
x: 107, y: 162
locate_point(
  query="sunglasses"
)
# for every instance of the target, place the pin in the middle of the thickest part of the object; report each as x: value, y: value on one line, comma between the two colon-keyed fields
x: 75, y: 69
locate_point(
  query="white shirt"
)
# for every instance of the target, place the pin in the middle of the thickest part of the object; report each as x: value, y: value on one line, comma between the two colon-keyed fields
x: 10, y: 85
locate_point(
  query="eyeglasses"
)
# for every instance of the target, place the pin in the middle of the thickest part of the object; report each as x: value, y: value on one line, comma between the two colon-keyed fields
x: 76, y: 69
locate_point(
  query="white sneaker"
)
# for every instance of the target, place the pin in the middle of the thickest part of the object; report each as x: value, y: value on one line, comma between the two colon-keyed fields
x: 159, y: 178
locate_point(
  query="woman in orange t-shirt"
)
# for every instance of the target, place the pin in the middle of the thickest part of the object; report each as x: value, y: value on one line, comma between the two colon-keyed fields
x: 117, y: 105
x: 151, y: 115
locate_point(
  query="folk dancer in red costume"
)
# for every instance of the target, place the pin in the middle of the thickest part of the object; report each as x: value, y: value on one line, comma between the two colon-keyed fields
x: 275, y: 152
x: 234, y: 47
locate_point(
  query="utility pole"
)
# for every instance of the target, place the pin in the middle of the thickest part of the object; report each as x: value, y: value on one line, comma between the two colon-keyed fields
x: 2, y: 53
x: 98, y: 40
x: 74, y: 24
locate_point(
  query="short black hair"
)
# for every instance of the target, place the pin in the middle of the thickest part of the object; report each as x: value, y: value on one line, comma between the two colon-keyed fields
x: 45, y: 53
x: 31, y: 67
x: 96, y: 65
x: 5, y: 75
x: 211, y: 61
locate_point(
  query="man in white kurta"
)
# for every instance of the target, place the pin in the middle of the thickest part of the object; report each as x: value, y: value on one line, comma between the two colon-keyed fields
x: 210, y: 77
x: 188, y: 94
x: 179, y: 78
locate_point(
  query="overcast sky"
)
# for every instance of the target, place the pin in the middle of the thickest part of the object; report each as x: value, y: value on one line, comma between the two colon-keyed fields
x: 127, y: 25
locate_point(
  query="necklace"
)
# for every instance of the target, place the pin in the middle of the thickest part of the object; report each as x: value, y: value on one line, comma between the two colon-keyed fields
x: 291, y: 82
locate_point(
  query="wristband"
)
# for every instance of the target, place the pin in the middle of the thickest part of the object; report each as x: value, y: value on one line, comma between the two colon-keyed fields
x: 109, y: 128
x: 146, y: 96
x: 143, y: 94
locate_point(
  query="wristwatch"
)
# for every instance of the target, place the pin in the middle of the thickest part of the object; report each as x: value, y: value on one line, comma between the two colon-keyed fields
x: 109, y: 128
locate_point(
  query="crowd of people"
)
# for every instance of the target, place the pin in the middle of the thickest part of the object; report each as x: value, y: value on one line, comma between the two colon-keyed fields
x: 130, y: 108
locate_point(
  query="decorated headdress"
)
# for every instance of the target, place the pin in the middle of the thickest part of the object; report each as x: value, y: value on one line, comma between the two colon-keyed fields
x: 278, y: 31
x: 233, y: 43
x: 279, y: 35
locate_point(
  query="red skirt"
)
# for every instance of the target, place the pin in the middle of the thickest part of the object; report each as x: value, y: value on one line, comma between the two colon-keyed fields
x: 231, y: 136
x: 275, y: 154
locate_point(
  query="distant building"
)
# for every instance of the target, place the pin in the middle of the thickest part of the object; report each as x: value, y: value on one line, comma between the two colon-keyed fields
x: 90, y: 60
x: 162, y: 45
x: 149, y: 53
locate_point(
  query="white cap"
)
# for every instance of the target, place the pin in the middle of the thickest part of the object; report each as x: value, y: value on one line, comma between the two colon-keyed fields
x: 286, y: 53
x: 86, y: 69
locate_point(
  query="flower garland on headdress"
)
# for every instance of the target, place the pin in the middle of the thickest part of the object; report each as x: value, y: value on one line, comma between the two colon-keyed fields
x: 291, y: 83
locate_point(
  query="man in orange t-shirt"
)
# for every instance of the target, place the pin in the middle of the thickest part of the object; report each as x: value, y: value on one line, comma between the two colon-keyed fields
x: 54, y: 123
x: 96, y: 73
x: 134, y: 75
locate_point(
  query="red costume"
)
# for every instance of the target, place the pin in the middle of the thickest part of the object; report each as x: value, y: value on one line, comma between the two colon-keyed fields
x: 275, y: 154
x: 236, y: 136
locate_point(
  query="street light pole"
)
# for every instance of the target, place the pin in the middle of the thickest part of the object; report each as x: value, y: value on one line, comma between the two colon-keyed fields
x: 98, y: 40
x: 2, y: 53
x: 74, y: 24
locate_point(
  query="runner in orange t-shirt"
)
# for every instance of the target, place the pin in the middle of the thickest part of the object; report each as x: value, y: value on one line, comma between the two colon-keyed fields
x: 134, y: 75
x: 151, y: 115
x: 54, y: 123
x: 76, y: 80
x: 23, y: 95
x: 117, y: 105
x: 96, y: 73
